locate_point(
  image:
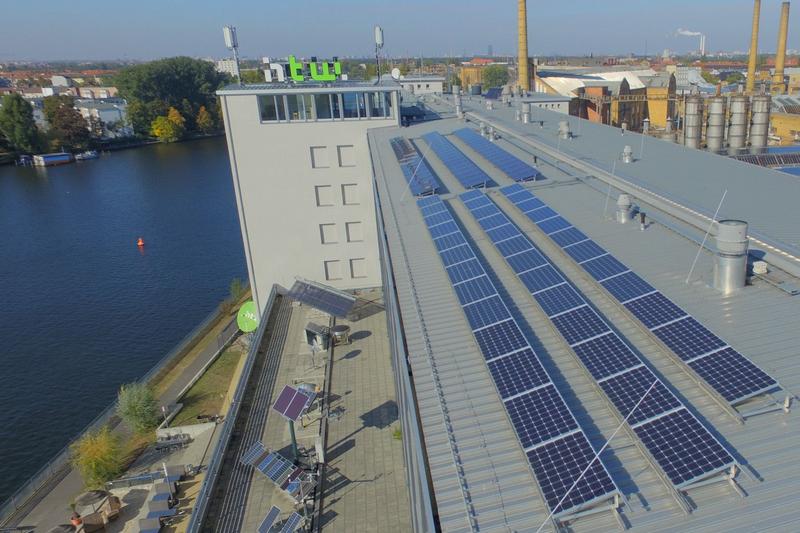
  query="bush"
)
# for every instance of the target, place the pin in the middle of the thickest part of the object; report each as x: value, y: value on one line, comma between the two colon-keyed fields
x: 96, y: 456
x: 237, y: 289
x: 136, y: 405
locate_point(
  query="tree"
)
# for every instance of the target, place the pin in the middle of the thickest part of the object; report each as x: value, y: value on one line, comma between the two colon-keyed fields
x: 136, y: 405
x: 152, y: 88
x: 204, y: 121
x: 51, y: 104
x: 174, y: 116
x: 454, y: 80
x: 252, y: 76
x: 96, y: 456
x: 164, y: 130
x: 17, y: 124
x: 495, y: 76
x: 68, y: 128
x: 709, y: 77
x: 237, y: 289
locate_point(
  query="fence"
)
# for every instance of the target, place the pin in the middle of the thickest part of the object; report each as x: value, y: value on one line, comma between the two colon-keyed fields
x: 59, y: 466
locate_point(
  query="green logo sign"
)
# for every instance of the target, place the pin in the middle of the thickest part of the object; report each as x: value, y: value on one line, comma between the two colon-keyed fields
x: 296, y: 69
x: 247, y: 319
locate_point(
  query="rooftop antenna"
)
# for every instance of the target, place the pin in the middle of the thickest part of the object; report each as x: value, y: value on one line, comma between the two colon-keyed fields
x: 378, y: 46
x: 232, y: 43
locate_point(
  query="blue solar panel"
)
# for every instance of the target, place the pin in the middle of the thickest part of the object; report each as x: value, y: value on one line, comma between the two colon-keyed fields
x: 584, y: 251
x: 683, y: 447
x: 269, y: 520
x: 579, y: 325
x: 688, y: 338
x: 499, y: 233
x: 568, y: 236
x: 444, y: 229
x: 464, y: 271
x: 292, y: 523
x: 558, y: 299
x: 517, y: 373
x: 540, y: 415
x: 512, y: 166
x: 457, y: 254
x: 514, y: 246
x: 559, y: 464
x: 436, y: 218
x: 486, y: 312
x: 606, y: 355
x: 526, y: 261
x: 493, y: 93
x: 654, y: 309
x: 484, y: 211
x: 433, y: 208
x: 465, y: 171
x: 603, y: 267
x: 541, y: 278
x: 734, y: 376
x: 492, y: 221
x: 530, y: 204
x: 429, y: 201
x: 626, y: 286
x: 500, y: 339
x: 552, y: 225
x: 626, y: 389
x: 470, y: 196
x: 541, y: 214
x: 449, y: 241
x: 475, y: 289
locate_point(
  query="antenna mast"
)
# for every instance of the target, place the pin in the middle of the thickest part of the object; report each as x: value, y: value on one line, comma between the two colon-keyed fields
x: 378, y: 46
x: 232, y: 43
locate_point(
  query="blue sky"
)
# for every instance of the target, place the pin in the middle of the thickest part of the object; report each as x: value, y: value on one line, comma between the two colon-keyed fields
x: 146, y: 29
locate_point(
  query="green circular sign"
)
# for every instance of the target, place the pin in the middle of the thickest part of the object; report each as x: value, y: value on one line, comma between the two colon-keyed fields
x: 247, y: 319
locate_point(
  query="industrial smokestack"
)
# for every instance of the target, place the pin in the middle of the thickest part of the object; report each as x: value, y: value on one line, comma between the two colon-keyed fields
x: 751, y: 63
x: 778, y: 87
x: 522, y: 16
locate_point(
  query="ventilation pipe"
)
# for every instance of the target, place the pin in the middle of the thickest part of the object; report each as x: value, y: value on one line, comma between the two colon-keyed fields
x: 778, y: 86
x: 737, y: 125
x: 753, y: 58
x: 563, y: 130
x: 526, y: 113
x: 759, y: 125
x: 715, y: 131
x: 627, y: 154
x: 624, y: 208
x: 646, y: 126
x: 693, y: 120
x: 669, y: 133
x: 730, y: 261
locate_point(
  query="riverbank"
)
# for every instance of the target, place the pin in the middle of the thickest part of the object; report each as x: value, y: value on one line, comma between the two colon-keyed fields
x: 48, y: 505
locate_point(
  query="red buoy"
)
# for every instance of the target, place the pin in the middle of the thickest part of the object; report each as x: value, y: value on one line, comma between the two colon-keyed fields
x: 140, y: 242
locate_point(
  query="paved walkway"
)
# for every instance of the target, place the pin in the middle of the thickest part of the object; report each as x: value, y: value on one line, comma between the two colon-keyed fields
x: 365, y: 485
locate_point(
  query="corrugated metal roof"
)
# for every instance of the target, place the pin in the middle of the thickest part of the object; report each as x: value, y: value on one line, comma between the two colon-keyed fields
x: 760, y: 321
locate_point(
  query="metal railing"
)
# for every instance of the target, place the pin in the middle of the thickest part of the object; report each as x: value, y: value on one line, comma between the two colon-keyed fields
x: 215, y: 463
x: 59, y: 466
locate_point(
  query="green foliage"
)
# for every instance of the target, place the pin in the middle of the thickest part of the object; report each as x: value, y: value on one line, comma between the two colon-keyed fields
x: 734, y: 78
x: 152, y: 88
x: 204, y: 121
x: 68, y: 129
x: 136, y: 405
x: 252, y: 76
x: 51, y: 104
x: 237, y: 289
x: 710, y: 78
x: 97, y: 456
x: 495, y: 76
x: 17, y: 124
x: 454, y: 80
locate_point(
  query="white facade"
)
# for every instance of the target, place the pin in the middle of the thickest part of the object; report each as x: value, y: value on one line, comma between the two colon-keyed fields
x: 423, y: 84
x: 559, y: 104
x: 226, y: 66
x: 303, y: 179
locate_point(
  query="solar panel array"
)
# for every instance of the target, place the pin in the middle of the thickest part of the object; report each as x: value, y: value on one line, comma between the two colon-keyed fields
x: 292, y: 402
x: 770, y: 160
x: 269, y: 520
x: 279, y: 470
x: 512, y: 166
x: 326, y: 300
x: 493, y: 93
x: 292, y: 523
x: 463, y: 168
x: 731, y: 374
x: 419, y: 176
x: 555, y: 445
x: 684, y: 448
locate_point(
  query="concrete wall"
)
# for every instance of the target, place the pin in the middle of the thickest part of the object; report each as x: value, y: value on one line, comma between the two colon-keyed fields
x: 305, y: 197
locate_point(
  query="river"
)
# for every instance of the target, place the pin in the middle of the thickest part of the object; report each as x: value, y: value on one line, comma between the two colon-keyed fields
x: 83, y: 309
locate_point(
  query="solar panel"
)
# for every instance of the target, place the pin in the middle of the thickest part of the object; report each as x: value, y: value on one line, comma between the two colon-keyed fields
x: 465, y: 171
x: 418, y: 174
x: 326, y: 299
x: 493, y: 93
x: 255, y: 451
x: 459, y: 254
x: 269, y: 520
x: 732, y: 375
x: 512, y: 166
x: 292, y: 402
x: 292, y: 523
x: 526, y: 261
x: 536, y: 408
x: 446, y: 242
x: 617, y: 369
x: 551, y: 225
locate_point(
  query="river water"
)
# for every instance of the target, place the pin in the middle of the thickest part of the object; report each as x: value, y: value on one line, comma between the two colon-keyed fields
x: 82, y: 308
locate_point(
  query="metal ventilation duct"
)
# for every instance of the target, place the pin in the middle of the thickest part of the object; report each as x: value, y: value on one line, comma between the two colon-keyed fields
x: 563, y: 130
x: 693, y: 121
x: 715, y: 131
x: 759, y: 126
x: 737, y: 126
x: 624, y: 208
x: 730, y: 262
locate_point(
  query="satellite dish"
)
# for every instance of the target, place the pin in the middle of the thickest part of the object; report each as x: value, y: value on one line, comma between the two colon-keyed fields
x: 247, y: 318
x: 396, y: 73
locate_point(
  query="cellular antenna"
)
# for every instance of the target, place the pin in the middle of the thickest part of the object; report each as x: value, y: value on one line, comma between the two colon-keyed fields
x: 378, y: 46
x: 232, y: 43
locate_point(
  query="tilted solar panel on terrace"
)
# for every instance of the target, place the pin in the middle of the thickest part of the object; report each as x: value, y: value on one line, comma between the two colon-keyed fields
x: 512, y: 166
x: 554, y: 443
x: 419, y: 176
x: 462, y: 167
x: 493, y: 93
x: 728, y: 372
x: 685, y: 450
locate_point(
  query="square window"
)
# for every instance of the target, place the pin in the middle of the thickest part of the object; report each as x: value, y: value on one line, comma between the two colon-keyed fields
x: 350, y: 194
x: 328, y: 234
x: 324, y: 195
x: 319, y: 157
x: 355, y: 231
x: 333, y: 270
x: 347, y: 155
x: 358, y: 268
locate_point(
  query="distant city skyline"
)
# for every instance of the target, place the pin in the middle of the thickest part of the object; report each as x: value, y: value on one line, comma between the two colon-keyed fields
x: 94, y: 30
